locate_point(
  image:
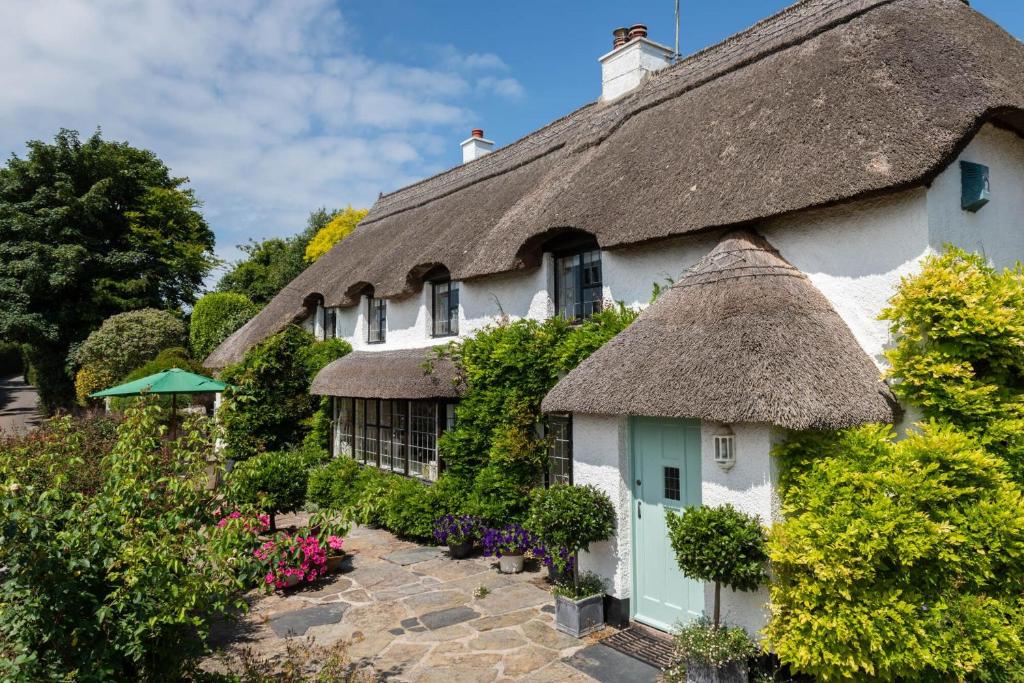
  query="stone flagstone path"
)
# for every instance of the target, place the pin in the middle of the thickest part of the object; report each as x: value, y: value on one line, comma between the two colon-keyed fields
x: 409, y: 612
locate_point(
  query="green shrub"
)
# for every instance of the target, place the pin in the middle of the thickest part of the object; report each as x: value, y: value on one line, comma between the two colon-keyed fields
x: 959, y: 330
x: 720, y: 544
x: 570, y: 517
x: 333, y: 486
x: 703, y: 642
x: 898, y: 560
x: 65, y: 449
x: 451, y: 495
x: 409, y: 511
x: 274, y: 482
x: 370, y: 503
x: 498, y: 498
x: 127, y: 340
x: 215, y: 317
x: 119, y: 581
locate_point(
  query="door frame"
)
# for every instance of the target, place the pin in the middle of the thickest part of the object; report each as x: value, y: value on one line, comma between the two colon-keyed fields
x: 633, y: 469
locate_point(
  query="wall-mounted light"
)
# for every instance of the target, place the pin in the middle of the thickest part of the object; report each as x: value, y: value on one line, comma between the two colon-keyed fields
x: 725, y: 447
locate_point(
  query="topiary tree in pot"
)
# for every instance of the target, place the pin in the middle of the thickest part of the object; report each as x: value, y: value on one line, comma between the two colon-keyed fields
x: 568, y: 519
x: 275, y: 482
x: 727, y: 547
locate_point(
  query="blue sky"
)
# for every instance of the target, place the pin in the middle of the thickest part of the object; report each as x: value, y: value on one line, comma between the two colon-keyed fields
x: 275, y: 108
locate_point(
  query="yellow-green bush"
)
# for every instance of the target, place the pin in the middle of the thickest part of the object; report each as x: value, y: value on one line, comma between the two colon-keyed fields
x: 898, y: 560
x: 337, y: 229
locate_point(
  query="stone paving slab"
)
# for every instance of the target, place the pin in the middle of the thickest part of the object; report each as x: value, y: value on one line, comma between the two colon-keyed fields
x: 297, y: 622
x: 410, y: 613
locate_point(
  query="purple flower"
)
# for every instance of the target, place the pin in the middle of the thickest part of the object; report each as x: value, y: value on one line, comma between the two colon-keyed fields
x: 512, y: 539
x: 454, y: 530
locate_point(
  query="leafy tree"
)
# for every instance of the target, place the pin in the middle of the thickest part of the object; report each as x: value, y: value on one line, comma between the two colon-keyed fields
x: 271, y: 264
x: 112, y: 574
x: 959, y: 329
x: 123, y: 343
x: 89, y: 229
x: 215, y: 317
x: 268, y: 407
x: 274, y: 482
x: 340, y: 226
x: 898, y: 560
x: 720, y: 544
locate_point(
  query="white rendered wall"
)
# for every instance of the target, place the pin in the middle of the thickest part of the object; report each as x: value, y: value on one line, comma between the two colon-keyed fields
x: 751, y: 486
x: 601, y: 457
x: 517, y: 295
x: 997, y: 229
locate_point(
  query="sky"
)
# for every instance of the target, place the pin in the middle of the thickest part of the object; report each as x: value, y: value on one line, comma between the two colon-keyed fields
x: 273, y: 109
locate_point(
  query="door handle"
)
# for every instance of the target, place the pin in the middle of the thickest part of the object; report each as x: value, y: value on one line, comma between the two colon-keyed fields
x: 639, y: 507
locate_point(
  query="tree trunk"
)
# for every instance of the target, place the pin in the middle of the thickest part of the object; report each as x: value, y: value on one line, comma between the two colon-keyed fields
x: 718, y: 601
x: 273, y: 521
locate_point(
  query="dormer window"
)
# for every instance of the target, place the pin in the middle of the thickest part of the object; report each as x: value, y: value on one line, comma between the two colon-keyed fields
x: 377, y: 320
x: 445, y: 308
x: 330, y: 323
x: 578, y: 287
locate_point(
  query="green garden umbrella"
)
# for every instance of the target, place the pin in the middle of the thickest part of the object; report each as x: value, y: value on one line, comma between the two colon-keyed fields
x: 174, y: 381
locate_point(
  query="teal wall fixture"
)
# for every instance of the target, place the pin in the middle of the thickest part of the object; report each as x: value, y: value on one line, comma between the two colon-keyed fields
x: 974, y: 182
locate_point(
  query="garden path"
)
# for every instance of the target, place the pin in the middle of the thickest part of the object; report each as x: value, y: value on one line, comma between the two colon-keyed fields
x: 409, y: 612
x: 17, y: 405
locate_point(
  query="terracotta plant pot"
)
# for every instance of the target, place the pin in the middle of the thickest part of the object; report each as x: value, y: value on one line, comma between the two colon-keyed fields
x: 460, y: 551
x: 334, y: 563
x: 510, y: 564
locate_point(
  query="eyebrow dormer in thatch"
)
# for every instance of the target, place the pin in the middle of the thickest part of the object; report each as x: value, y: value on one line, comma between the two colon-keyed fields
x: 742, y: 337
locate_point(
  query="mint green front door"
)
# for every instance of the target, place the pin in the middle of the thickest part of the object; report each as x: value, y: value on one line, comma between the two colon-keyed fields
x: 666, y: 476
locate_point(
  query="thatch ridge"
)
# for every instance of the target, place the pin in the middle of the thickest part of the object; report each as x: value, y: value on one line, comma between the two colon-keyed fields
x: 742, y: 337
x: 401, y: 374
x: 827, y: 102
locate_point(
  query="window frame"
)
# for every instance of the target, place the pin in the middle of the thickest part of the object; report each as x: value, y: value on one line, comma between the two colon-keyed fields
x: 577, y: 252
x: 560, y: 467
x: 435, y: 317
x: 376, y: 322
x: 329, y: 314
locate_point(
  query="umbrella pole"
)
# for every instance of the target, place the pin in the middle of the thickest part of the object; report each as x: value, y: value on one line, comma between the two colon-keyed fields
x: 174, y: 416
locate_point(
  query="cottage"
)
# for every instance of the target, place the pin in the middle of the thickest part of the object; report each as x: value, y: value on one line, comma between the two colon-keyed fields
x: 784, y: 180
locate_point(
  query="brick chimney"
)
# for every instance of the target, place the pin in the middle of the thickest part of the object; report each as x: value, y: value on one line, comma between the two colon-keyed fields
x: 633, y: 56
x: 476, y: 145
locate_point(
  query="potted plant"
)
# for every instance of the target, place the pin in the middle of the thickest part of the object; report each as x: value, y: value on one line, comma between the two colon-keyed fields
x: 570, y: 518
x: 459, y: 533
x: 290, y: 560
x: 711, y: 654
x: 509, y: 544
x: 329, y: 530
x: 727, y: 547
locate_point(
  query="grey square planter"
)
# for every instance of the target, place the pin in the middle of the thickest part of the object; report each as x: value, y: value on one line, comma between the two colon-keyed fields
x: 699, y: 672
x: 579, y: 617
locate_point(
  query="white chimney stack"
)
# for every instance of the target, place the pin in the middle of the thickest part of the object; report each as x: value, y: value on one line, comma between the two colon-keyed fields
x: 633, y: 56
x: 476, y: 146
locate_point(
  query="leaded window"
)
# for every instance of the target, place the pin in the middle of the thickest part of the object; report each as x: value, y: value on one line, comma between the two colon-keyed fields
x: 377, y: 321
x: 343, y: 427
x: 445, y: 308
x: 560, y: 450
x: 578, y: 285
x: 330, y: 323
x: 423, y: 439
x: 396, y: 435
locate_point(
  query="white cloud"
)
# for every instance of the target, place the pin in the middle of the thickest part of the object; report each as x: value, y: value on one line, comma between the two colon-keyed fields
x: 259, y: 103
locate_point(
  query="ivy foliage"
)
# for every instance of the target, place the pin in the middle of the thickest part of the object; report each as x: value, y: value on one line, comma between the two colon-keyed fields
x: 215, y: 317
x: 110, y: 572
x: 959, y: 352
x: 721, y: 545
x: 898, y: 560
x: 508, y: 368
x: 268, y: 406
x: 338, y: 228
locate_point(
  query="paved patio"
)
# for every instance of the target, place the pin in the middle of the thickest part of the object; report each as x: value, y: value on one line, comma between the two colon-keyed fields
x: 409, y: 612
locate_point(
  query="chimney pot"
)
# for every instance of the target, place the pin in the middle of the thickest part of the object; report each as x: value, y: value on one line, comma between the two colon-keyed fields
x: 619, y: 37
x: 478, y: 132
x: 637, y: 31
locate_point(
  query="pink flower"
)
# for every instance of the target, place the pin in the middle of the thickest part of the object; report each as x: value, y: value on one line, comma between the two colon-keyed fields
x: 334, y: 542
x: 269, y: 577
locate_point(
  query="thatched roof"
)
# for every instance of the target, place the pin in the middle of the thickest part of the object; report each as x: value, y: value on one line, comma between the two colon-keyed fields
x: 742, y: 337
x: 411, y: 374
x: 825, y: 102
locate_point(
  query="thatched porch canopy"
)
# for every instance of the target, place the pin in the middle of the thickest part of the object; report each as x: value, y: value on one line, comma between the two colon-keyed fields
x: 742, y: 337
x: 405, y: 374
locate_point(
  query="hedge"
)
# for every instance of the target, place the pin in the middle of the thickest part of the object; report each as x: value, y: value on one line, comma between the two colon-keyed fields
x: 215, y: 317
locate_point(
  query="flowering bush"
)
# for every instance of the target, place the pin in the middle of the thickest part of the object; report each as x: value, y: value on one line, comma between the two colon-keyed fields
x: 701, y: 642
x: 513, y: 539
x: 299, y: 556
x: 454, y: 530
x: 560, y: 558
